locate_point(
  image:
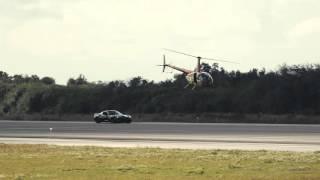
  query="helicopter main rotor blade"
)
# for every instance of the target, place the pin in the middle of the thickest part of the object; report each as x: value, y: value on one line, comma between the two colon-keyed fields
x: 180, y: 52
x: 219, y: 60
x: 199, y: 57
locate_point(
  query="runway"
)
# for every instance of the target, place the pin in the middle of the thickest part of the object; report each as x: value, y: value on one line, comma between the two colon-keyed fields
x: 164, y: 135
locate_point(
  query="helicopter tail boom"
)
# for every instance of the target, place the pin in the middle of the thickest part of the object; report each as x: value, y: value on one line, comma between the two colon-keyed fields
x: 164, y: 65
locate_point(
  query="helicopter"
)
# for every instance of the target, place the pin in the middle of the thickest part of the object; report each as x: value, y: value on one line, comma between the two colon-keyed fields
x: 197, y: 77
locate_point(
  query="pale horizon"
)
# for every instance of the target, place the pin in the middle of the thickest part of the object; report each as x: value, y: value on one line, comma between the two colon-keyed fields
x: 118, y: 40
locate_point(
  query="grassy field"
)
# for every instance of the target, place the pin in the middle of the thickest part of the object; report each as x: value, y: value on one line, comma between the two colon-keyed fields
x: 62, y: 162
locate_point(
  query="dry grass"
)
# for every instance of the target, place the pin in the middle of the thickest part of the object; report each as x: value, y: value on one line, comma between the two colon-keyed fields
x: 59, y: 162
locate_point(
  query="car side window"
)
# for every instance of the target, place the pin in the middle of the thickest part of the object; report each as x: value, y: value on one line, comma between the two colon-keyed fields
x: 111, y: 113
x: 105, y: 113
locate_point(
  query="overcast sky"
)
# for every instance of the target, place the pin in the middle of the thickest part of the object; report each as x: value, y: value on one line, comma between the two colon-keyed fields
x: 118, y: 39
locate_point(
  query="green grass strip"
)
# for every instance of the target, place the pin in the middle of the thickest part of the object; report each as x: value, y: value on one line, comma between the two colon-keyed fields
x: 86, y: 162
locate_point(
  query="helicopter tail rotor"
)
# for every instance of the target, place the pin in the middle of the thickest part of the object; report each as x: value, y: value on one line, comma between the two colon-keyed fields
x: 164, y: 65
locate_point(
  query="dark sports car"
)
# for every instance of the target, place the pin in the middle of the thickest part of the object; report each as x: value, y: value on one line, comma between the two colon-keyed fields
x: 112, y: 116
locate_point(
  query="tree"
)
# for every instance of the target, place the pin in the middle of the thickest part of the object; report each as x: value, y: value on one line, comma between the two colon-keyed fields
x: 48, y: 80
x: 4, y: 77
x: 135, y: 82
x: 81, y: 80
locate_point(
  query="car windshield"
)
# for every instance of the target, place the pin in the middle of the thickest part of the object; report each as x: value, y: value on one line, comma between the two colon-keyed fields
x: 114, y: 113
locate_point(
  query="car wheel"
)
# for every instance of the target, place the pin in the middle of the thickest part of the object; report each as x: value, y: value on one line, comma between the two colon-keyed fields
x: 97, y: 120
x: 128, y: 121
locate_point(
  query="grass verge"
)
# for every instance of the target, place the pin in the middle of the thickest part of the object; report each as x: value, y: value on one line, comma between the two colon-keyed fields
x: 63, y: 162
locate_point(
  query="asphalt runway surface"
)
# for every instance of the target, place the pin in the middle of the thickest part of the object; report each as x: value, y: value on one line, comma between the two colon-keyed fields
x: 164, y: 135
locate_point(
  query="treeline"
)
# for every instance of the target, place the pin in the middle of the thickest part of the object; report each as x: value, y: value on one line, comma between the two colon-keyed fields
x: 288, y: 90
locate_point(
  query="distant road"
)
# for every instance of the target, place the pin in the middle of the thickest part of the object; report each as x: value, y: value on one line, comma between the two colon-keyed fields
x: 164, y: 135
